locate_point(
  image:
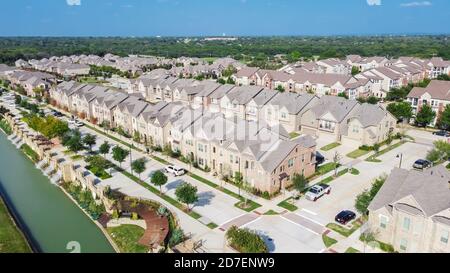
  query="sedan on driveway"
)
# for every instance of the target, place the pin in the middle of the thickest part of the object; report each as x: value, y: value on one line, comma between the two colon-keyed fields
x: 345, y: 217
x: 422, y: 164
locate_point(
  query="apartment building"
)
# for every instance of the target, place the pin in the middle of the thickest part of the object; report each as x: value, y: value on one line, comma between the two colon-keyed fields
x: 412, y: 211
x: 436, y: 95
x: 265, y: 158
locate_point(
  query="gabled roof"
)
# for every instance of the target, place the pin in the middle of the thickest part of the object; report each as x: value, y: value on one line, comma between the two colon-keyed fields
x: 437, y: 90
x: 241, y: 95
x: 294, y: 102
x: 430, y: 189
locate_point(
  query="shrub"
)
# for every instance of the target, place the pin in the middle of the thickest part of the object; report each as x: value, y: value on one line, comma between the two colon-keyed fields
x: 246, y: 241
x: 176, y: 237
x: 115, y: 214
x: 134, y: 216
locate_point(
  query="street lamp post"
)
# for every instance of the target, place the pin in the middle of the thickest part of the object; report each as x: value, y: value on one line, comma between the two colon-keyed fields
x: 401, y: 160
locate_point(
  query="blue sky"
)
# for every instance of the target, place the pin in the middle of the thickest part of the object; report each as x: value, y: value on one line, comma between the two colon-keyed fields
x: 216, y: 17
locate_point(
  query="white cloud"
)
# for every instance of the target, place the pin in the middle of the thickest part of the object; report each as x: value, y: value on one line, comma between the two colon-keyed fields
x: 73, y: 2
x: 374, y: 2
x: 416, y: 4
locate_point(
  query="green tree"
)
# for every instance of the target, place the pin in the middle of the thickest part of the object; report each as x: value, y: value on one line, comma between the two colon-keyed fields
x: 104, y: 148
x: 400, y: 110
x: 294, y: 56
x: 434, y: 155
x: 343, y: 95
x: 425, y: 116
x: 159, y: 179
x: 372, y: 100
x: 364, y: 199
x: 445, y: 118
x: 300, y: 183
x: 90, y: 140
x: 280, y: 89
x: 73, y: 141
x: 187, y: 194
x: 119, y: 154
x: 138, y: 166
x: 355, y: 70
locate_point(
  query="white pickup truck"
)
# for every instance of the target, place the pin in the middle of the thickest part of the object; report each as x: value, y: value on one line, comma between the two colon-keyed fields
x: 317, y: 191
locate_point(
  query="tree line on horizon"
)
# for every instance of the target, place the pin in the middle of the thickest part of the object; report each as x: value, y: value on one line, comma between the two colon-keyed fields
x: 246, y: 49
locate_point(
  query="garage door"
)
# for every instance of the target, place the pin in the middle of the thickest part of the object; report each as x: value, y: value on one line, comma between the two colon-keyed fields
x: 308, y: 131
x: 350, y: 142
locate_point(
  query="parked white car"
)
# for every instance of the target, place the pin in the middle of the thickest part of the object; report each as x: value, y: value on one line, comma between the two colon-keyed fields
x: 176, y: 171
x: 76, y: 123
x: 317, y: 191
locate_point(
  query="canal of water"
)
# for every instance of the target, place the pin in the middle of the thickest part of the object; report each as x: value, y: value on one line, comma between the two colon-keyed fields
x: 50, y: 219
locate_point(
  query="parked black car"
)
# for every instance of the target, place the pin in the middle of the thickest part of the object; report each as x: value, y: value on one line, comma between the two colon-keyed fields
x: 345, y: 217
x: 319, y: 159
x: 422, y: 164
x: 442, y: 133
x: 57, y: 114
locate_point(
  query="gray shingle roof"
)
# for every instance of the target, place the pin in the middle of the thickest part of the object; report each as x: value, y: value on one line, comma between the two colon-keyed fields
x: 430, y: 189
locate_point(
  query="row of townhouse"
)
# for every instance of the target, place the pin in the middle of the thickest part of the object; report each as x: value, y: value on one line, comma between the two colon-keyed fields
x: 197, y: 68
x: 31, y: 81
x: 412, y: 211
x: 290, y: 110
x: 296, y: 80
x: 436, y: 95
x: 263, y: 154
x: 63, y: 67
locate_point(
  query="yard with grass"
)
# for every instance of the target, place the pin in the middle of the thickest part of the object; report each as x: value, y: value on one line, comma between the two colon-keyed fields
x: 357, y: 153
x: 328, y: 241
x: 294, y: 135
x: 271, y: 213
x: 352, y: 250
x: 343, y: 230
x: 330, y: 147
x: 374, y: 158
x: 286, y: 204
x: 11, y: 238
x: 126, y: 237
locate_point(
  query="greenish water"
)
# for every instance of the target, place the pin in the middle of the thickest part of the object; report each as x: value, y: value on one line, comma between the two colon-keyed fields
x: 52, y: 221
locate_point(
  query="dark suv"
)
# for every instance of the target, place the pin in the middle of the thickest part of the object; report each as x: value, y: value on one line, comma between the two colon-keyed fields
x: 345, y: 217
x: 422, y: 164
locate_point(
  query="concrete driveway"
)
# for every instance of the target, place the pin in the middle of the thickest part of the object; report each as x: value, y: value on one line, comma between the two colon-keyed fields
x: 343, y: 149
x: 346, y: 188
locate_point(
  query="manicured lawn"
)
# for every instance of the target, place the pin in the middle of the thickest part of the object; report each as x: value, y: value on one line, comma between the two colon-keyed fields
x: 375, y: 159
x: 11, y: 238
x: 383, y: 246
x: 343, y: 230
x: 29, y: 152
x: 126, y: 237
x: 286, y: 204
x: 160, y: 160
x: 325, y: 168
x: 328, y: 241
x: 100, y: 173
x: 355, y: 171
x: 357, y: 154
x: 294, y: 135
x: 352, y: 250
x: 330, y: 147
x: 271, y: 212
x: 251, y: 205
x: 212, y: 225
